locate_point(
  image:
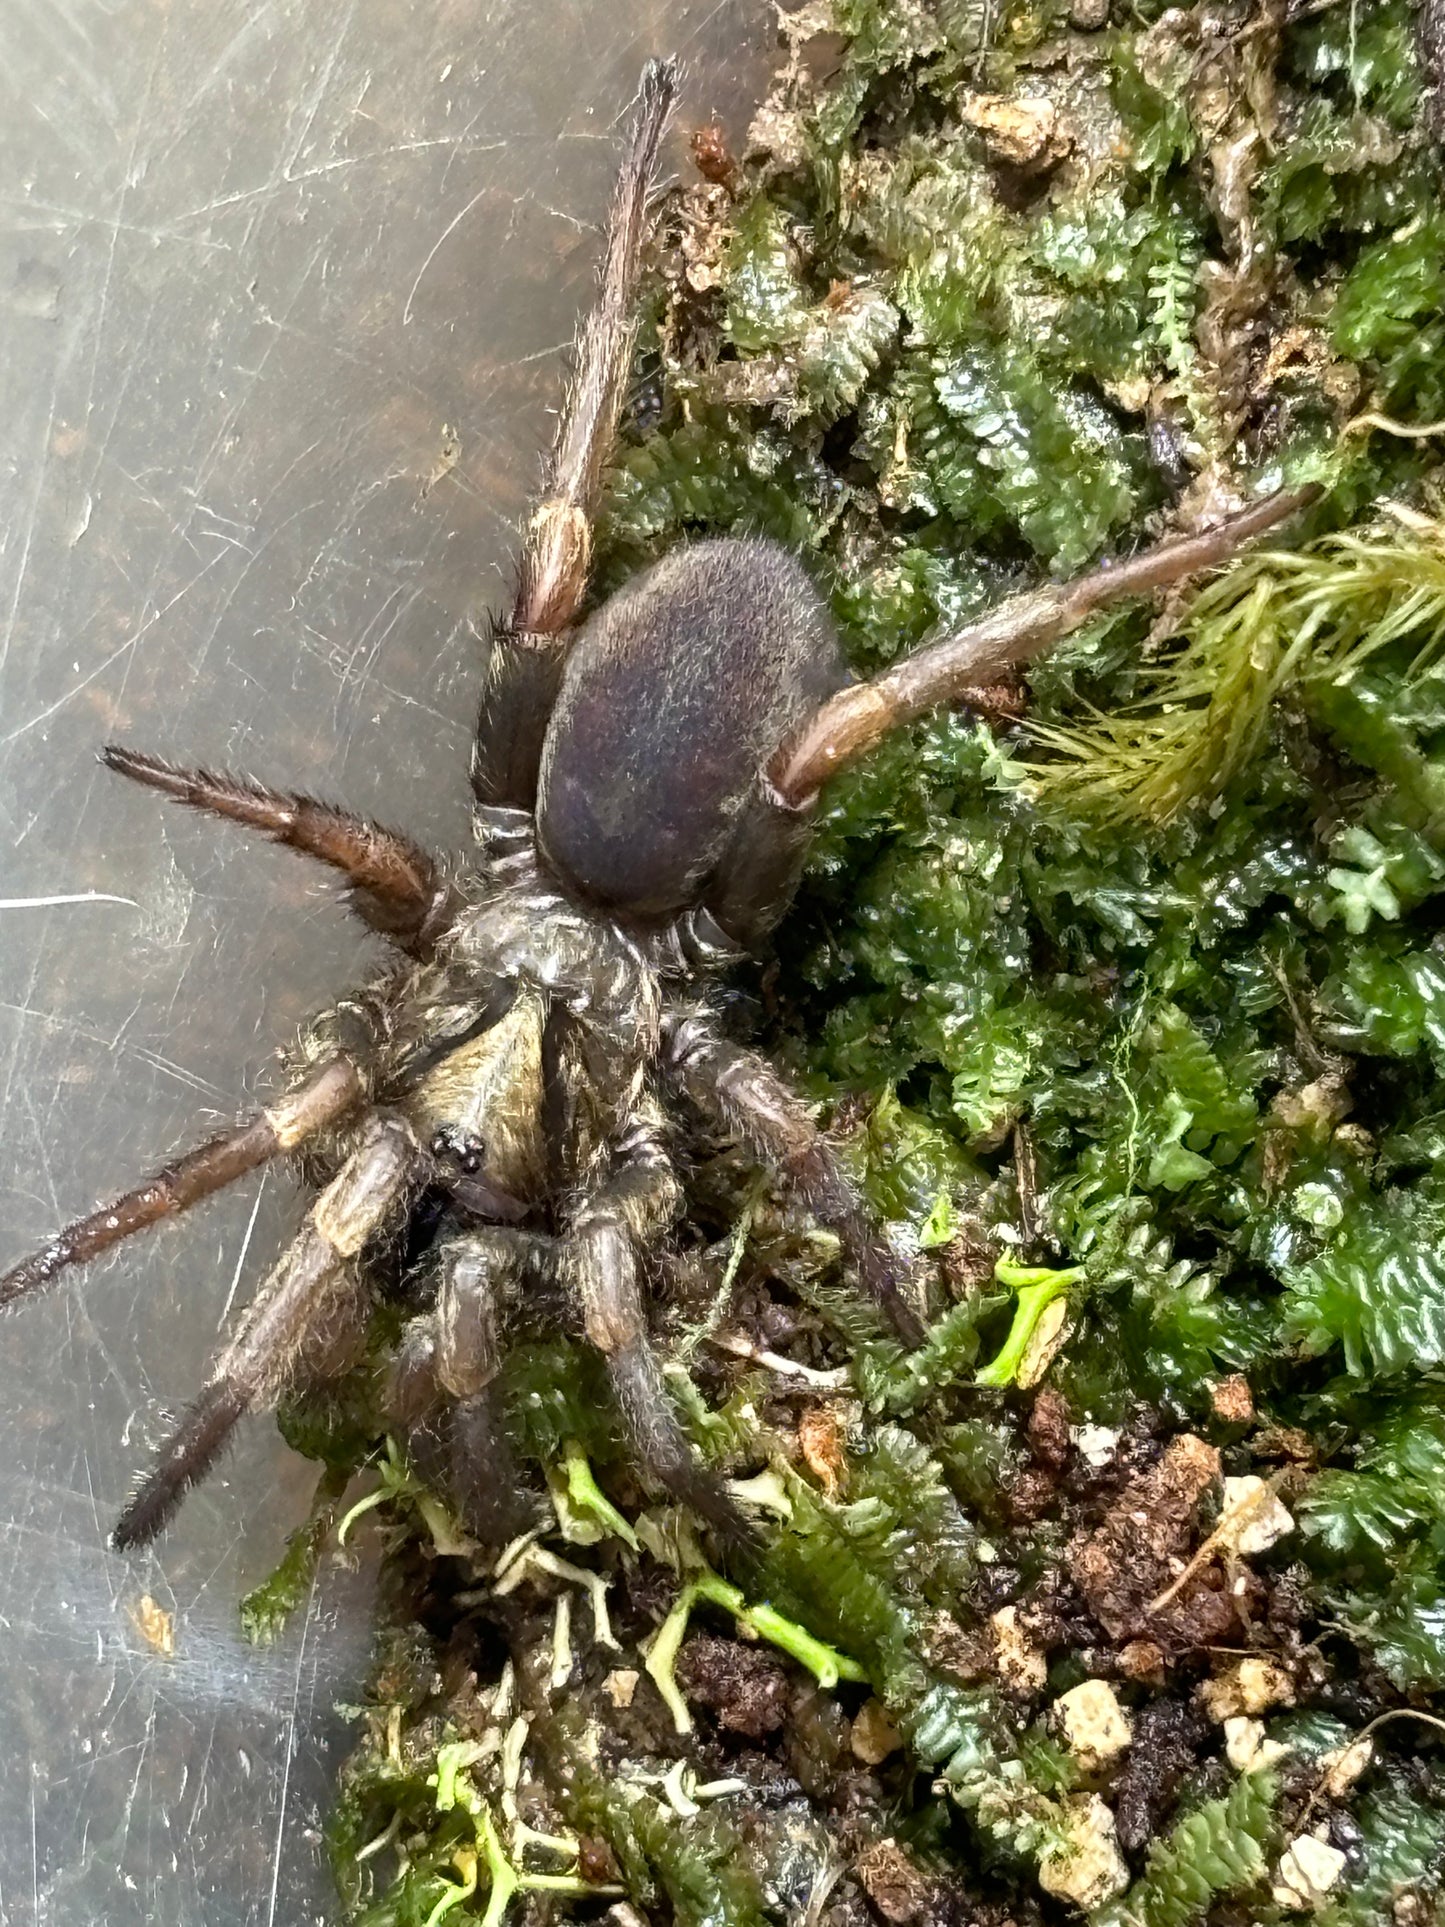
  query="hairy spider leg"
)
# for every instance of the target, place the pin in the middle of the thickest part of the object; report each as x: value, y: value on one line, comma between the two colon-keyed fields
x: 631, y: 1210
x: 528, y: 650
x: 741, y: 1090
x: 392, y: 883
x: 315, y: 1283
x: 854, y: 721
x: 451, y: 1354
x: 332, y: 1090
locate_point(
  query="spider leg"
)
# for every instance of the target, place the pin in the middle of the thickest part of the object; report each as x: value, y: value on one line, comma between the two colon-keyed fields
x: 392, y: 884
x: 527, y: 652
x: 742, y: 1091
x: 329, y: 1092
x: 311, y: 1286
x: 453, y: 1350
x: 849, y: 724
x: 630, y: 1209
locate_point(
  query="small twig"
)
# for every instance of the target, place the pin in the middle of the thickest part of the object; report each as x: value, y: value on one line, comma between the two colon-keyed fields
x: 722, y: 1297
x: 380, y: 1841
x: 1224, y: 1531
x: 1026, y: 1179
x: 562, y: 1655
x: 1400, y: 1713
x: 817, y: 1381
x: 1407, y: 431
x: 514, y: 1745
x: 1327, y: 1788
x: 1311, y: 1051
x: 538, y: 1559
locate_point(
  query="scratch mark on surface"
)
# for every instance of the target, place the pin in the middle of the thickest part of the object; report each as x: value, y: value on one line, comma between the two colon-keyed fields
x: 702, y: 25
x: 100, y: 1535
x: 122, y: 649
x: 82, y: 521
x: 568, y: 220
x: 77, y: 217
x: 143, y: 1754
x: 74, y: 690
x: 290, y: 1741
x: 118, y: 1044
x: 41, y: 1134
x: 287, y: 179
x: 50, y: 903
x: 32, y: 516
x: 545, y: 354
x: 241, y: 1256
x: 79, y: 1320
x: 312, y: 106
x: 128, y: 182
x: 450, y: 229
x: 34, y: 1852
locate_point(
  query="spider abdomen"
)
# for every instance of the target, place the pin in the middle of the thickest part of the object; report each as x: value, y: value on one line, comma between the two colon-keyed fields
x: 674, y: 694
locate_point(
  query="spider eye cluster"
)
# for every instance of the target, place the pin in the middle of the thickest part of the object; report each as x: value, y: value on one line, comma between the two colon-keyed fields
x: 468, y: 1154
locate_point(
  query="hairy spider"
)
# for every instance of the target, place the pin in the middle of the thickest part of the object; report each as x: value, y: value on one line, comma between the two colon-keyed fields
x: 645, y: 782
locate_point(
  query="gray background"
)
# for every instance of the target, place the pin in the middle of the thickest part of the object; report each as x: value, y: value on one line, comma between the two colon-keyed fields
x: 259, y: 263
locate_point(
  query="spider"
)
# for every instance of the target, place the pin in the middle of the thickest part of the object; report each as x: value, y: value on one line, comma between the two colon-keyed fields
x: 645, y: 781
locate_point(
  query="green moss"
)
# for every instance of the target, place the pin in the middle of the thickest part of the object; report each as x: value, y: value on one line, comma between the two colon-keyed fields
x: 1404, y: 1858
x: 767, y: 302
x: 699, y: 1868
x: 267, y: 1609
x: 1221, y: 1847
x: 1377, y: 1289
x: 1146, y: 923
x: 1356, y: 625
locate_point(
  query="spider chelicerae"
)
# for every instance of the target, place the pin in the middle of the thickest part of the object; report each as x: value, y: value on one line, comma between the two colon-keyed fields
x: 645, y: 783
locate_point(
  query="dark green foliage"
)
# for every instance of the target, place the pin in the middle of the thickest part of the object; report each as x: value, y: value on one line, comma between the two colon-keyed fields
x: 1389, y: 997
x: 896, y: 1381
x: 556, y: 1391
x: 1396, y: 1490
x: 985, y: 427
x: 268, y: 1608
x: 693, y: 480
x: 1377, y: 1523
x: 1404, y: 1861
x: 698, y: 1867
x: 1221, y: 1847
x: 1400, y: 1615
x: 1377, y: 1290
x: 909, y: 1162
x: 836, y: 1574
x: 766, y: 300
x: 1391, y: 310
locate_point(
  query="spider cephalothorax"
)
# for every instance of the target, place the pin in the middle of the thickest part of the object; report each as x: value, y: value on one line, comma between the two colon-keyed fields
x: 644, y: 783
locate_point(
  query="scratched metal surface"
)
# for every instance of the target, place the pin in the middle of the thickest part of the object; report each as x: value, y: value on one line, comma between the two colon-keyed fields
x: 284, y: 288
